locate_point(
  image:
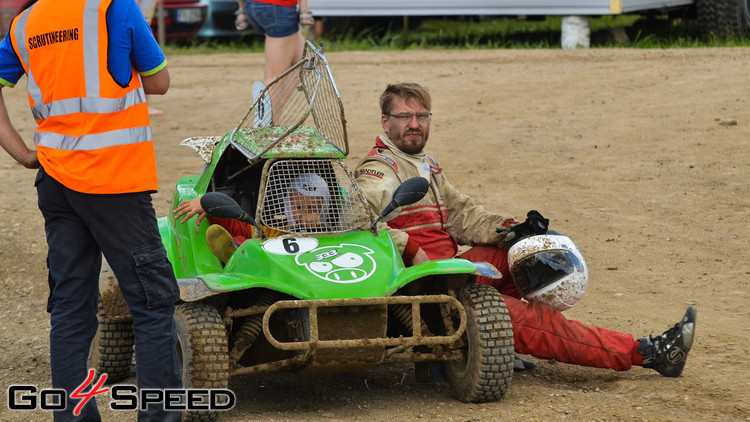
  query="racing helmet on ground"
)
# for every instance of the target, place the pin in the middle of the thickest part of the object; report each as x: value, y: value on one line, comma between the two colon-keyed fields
x: 549, y: 269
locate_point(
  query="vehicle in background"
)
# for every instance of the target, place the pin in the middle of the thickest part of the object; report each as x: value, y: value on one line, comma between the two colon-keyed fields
x: 9, y: 9
x: 220, y: 20
x: 182, y: 19
x: 723, y: 18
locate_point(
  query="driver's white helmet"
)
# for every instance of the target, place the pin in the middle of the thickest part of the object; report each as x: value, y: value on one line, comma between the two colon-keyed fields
x: 549, y: 269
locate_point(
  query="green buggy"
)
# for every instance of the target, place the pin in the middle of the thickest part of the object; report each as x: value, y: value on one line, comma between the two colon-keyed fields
x: 334, y: 297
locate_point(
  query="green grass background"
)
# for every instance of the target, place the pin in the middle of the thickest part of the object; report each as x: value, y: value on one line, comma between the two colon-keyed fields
x: 366, y: 34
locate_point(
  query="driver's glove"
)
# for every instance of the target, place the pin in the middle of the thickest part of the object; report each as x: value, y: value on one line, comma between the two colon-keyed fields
x: 505, y: 235
x: 512, y: 231
x: 537, y: 223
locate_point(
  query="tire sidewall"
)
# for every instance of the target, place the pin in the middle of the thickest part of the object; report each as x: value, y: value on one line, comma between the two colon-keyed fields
x: 184, y: 352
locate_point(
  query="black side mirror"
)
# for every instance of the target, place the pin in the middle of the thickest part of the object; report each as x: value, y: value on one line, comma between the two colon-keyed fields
x: 409, y: 192
x: 221, y: 205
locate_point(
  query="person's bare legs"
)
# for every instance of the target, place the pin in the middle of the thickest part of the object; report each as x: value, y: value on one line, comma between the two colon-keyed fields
x: 281, y: 54
x: 153, y: 111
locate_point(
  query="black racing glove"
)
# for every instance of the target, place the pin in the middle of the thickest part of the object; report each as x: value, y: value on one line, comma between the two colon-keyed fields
x: 535, y: 224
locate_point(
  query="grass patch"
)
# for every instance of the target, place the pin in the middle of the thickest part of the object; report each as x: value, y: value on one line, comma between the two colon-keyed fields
x: 383, y: 33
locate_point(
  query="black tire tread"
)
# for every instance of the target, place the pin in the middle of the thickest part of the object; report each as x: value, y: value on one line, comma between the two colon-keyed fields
x: 111, y: 351
x: 114, y: 351
x: 491, y: 366
x: 205, y: 361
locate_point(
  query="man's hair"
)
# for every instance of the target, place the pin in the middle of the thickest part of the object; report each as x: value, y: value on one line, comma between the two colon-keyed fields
x: 408, y: 91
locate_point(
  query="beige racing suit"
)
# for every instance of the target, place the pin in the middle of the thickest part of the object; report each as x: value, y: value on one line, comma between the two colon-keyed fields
x: 442, y: 220
x: 445, y: 218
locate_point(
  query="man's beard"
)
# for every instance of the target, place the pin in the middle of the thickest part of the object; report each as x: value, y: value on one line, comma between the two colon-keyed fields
x: 412, y: 146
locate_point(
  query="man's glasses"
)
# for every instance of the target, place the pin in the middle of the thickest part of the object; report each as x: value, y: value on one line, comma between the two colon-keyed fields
x: 406, y: 117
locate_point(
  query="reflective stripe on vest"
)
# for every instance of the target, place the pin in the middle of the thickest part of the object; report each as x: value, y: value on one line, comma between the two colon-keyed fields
x: 88, y: 105
x: 87, y: 142
x: 20, y: 33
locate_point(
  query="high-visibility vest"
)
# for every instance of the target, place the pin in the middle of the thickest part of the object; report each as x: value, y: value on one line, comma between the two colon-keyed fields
x: 94, y: 135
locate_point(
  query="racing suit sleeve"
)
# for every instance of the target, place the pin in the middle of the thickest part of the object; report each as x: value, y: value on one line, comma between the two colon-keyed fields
x: 378, y: 182
x: 469, y: 223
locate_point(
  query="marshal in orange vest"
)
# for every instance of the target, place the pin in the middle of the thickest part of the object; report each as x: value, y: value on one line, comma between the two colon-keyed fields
x: 94, y: 136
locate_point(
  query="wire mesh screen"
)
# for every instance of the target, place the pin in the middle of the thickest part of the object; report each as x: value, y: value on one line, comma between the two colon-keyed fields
x: 328, y: 110
x: 312, y: 196
x: 301, y: 104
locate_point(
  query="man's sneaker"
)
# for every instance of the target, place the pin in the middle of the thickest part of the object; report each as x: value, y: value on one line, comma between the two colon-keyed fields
x: 220, y: 242
x: 667, y: 353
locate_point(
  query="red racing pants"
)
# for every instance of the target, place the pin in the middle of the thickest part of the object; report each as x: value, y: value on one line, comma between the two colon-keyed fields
x: 542, y: 331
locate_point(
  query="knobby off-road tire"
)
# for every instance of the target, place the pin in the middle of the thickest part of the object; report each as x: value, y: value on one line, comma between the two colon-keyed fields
x: 111, y: 349
x: 201, y: 351
x: 723, y: 18
x: 485, y: 372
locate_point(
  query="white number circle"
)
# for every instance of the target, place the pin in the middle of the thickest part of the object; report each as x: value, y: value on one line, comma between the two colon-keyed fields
x: 290, y: 245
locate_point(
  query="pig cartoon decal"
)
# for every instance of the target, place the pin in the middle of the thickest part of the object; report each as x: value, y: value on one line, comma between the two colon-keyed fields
x: 345, y: 263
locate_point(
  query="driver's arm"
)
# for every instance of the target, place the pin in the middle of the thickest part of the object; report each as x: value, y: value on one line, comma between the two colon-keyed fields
x: 190, y: 208
x: 410, y: 251
x: 378, y: 182
x: 468, y: 222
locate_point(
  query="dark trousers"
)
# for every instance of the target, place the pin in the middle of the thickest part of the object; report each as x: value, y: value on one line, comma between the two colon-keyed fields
x: 80, y: 228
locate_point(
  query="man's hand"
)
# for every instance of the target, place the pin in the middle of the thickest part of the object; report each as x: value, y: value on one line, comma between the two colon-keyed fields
x: 189, y: 208
x: 513, y: 231
x: 29, y: 159
x: 505, y: 236
x: 420, y: 257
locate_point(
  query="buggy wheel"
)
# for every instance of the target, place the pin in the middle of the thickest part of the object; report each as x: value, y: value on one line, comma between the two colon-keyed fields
x: 485, y: 372
x: 111, y: 350
x: 201, y: 352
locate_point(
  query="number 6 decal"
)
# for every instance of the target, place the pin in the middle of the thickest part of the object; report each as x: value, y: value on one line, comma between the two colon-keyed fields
x: 290, y: 245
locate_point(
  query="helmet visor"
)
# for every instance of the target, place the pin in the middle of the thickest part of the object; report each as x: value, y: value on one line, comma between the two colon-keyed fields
x: 543, y: 268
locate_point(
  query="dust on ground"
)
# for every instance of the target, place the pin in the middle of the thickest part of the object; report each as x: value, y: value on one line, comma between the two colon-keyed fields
x: 642, y: 157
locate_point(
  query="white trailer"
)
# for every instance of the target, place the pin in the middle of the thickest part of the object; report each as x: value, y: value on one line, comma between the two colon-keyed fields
x: 724, y: 18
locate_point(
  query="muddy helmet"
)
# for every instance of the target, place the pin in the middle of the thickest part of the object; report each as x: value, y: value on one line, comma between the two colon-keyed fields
x: 549, y: 269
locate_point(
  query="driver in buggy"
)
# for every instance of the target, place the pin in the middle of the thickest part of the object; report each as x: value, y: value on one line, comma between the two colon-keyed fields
x: 307, y: 203
x: 306, y: 207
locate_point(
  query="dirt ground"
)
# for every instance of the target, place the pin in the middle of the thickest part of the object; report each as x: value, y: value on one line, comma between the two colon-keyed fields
x: 642, y: 157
